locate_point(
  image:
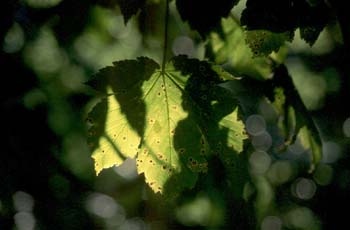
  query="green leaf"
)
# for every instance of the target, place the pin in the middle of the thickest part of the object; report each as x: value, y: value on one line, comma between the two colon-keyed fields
x: 204, y: 15
x: 296, y: 121
x: 215, y: 106
x: 233, y: 49
x: 164, y: 119
x: 263, y: 42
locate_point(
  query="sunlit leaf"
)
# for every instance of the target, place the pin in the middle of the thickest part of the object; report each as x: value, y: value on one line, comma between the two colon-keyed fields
x: 118, y: 121
x: 167, y: 120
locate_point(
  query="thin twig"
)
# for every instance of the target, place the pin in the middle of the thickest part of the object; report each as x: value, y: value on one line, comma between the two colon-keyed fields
x: 165, y: 46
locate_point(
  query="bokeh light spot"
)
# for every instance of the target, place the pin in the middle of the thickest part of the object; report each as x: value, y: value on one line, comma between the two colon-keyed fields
x: 255, y: 124
x: 23, y: 201
x: 14, y: 39
x: 304, y: 188
x: 259, y: 162
x: 271, y: 223
x: 183, y: 45
x: 24, y: 221
x: 330, y: 152
x: 103, y: 206
x: 262, y: 141
x: 323, y: 174
x: 127, y: 170
x: 267, y: 111
x: 346, y: 127
x: 280, y: 172
x: 133, y: 224
x: 301, y: 218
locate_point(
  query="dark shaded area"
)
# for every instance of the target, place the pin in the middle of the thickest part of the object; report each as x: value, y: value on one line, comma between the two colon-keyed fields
x: 281, y: 16
x: 28, y: 162
x: 30, y: 155
x: 209, y: 15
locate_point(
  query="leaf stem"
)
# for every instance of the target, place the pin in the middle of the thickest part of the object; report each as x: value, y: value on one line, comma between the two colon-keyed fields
x: 165, y: 46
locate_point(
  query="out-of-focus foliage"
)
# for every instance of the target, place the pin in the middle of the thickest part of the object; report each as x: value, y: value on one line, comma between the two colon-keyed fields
x: 49, y: 49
